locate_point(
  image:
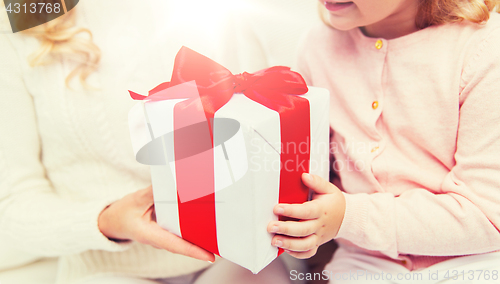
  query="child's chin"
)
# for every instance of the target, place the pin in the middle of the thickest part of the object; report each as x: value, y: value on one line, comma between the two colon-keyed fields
x: 342, y: 23
x: 342, y: 26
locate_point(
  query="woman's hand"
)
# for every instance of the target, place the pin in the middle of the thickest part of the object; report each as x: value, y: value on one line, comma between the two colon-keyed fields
x: 320, y: 219
x: 133, y: 218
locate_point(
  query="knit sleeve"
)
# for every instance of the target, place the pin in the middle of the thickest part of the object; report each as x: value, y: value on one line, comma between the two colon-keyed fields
x: 33, y: 217
x: 464, y: 218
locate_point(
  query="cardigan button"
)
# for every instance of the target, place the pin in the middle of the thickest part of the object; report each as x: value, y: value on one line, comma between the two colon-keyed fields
x: 375, y: 105
x: 379, y: 44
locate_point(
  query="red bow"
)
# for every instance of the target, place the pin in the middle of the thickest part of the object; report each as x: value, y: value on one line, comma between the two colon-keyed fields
x: 216, y: 84
x: 277, y: 88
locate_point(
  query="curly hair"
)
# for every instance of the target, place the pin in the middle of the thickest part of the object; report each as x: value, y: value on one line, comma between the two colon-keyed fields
x: 437, y: 12
x: 61, y: 39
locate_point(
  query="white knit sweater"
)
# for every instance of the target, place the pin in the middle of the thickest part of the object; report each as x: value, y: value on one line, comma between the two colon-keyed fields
x: 65, y: 153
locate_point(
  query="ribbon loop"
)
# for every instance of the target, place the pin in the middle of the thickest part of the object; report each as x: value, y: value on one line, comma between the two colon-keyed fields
x: 216, y: 84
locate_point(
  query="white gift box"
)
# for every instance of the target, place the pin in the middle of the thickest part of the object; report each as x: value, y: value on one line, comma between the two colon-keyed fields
x: 246, y: 154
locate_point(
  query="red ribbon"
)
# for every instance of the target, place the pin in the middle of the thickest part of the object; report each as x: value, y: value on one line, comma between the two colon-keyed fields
x: 276, y: 88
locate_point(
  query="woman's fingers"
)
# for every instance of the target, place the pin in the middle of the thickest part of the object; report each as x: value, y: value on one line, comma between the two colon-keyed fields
x: 305, y: 244
x: 305, y: 211
x: 133, y: 218
x: 158, y: 237
x: 294, y: 229
x: 144, y: 197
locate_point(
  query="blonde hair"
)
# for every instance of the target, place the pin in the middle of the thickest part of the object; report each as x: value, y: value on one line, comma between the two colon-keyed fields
x: 437, y: 12
x: 60, y: 39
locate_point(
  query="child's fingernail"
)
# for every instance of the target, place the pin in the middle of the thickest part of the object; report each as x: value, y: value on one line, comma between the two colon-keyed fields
x: 209, y: 261
x: 309, y: 178
x: 278, y: 243
x: 275, y: 229
x: 280, y: 210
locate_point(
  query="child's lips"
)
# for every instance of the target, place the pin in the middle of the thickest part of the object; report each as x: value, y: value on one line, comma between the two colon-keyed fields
x: 337, y: 6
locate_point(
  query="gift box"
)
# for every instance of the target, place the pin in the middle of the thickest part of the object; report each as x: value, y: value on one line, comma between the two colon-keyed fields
x: 224, y: 149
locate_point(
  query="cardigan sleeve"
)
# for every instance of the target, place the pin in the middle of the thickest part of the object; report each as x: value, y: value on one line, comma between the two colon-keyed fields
x: 464, y: 218
x: 33, y: 217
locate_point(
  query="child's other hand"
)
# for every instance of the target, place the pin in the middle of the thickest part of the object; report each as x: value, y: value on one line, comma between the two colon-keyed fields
x: 320, y: 219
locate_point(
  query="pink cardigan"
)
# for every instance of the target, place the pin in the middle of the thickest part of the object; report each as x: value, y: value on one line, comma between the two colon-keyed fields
x: 416, y: 124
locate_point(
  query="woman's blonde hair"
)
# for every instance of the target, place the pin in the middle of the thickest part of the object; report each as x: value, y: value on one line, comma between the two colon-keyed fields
x: 436, y: 12
x: 60, y: 39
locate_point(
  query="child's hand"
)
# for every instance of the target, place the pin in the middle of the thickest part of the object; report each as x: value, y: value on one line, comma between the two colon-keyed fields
x: 320, y: 219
